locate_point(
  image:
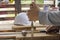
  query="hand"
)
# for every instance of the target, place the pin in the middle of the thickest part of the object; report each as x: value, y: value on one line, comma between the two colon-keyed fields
x: 51, y: 28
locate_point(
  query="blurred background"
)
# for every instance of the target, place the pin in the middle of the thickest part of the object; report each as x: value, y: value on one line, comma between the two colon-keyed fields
x: 9, y: 9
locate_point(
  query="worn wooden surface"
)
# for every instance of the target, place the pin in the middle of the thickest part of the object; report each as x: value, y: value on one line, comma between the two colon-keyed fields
x: 39, y: 36
x: 28, y: 27
x: 7, y: 36
x: 36, y: 36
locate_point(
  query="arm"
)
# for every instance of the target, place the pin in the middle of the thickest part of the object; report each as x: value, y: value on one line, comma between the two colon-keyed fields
x: 51, y: 18
x: 43, y: 18
x: 33, y: 12
x: 54, y: 18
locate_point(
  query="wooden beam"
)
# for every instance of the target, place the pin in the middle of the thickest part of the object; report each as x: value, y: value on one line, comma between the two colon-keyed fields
x: 7, y: 37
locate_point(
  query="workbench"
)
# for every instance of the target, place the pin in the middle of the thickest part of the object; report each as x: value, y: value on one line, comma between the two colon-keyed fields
x: 36, y: 34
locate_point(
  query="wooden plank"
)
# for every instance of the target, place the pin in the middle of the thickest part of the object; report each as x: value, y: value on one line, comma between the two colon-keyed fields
x: 38, y: 35
x: 7, y: 30
x: 27, y: 26
x: 24, y: 27
x: 7, y: 37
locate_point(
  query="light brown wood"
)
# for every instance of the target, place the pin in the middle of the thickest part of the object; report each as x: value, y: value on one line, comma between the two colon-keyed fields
x: 7, y: 30
x: 38, y: 35
x: 19, y: 28
x: 14, y: 27
x: 7, y: 36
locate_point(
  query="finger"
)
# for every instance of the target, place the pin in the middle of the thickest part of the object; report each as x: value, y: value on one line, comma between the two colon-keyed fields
x: 49, y: 27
